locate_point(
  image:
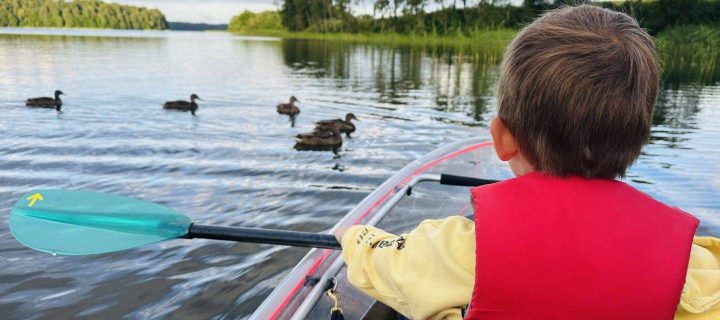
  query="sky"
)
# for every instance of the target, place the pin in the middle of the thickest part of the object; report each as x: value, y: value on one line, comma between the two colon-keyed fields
x: 211, y: 11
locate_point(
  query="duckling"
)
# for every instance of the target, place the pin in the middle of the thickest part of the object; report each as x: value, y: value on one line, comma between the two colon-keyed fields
x: 46, y: 102
x: 346, y: 126
x: 323, y: 137
x: 181, y: 105
x: 289, y: 108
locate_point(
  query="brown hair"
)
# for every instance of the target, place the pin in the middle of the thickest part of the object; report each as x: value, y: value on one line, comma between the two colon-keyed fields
x: 577, y: 91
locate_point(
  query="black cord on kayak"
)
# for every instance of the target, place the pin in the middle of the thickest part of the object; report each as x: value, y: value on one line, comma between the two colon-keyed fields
x: 336, y: 312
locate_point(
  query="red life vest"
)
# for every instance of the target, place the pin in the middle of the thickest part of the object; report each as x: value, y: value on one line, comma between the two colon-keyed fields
x: 572, y: 248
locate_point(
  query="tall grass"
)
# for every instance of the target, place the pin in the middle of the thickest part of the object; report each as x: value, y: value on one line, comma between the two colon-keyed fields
x: 690, y: 54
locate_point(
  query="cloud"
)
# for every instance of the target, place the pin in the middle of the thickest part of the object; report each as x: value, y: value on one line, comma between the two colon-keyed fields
x: 206, y: 11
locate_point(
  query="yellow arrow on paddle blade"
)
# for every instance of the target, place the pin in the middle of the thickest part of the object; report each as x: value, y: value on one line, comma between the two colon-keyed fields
x: 34, y: 198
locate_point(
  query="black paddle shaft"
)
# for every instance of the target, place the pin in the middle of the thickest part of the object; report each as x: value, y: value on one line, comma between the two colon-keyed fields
x: 453, y: 180
x: 296, y: 238
x: 267, y: 236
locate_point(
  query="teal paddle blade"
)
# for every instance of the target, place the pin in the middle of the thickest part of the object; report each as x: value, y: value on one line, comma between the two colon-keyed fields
x: 82, y: 222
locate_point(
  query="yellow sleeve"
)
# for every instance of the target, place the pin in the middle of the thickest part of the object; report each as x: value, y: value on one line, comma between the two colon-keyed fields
x: 427, y: 273
x: 700, y: 298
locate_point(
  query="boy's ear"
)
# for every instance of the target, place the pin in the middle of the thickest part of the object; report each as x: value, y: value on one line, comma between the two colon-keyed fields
x: 505, y: 145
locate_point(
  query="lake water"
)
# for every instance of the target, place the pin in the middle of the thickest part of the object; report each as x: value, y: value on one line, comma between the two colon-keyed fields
x: 234, y: 163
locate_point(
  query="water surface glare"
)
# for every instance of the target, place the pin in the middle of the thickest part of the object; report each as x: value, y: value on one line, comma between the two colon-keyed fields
x: 234, y: 163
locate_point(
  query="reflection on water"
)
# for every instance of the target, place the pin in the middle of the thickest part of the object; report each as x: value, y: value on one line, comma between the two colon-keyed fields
x: 446, y: 80
x: 234, y: 163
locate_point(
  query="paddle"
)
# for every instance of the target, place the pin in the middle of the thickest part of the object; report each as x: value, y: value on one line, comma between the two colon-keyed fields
x: 82, y: 222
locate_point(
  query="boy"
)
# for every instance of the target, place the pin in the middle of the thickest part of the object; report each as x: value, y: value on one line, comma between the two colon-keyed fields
x: 562, y: 240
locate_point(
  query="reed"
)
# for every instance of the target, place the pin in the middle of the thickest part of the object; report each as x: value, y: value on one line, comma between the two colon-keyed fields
x: 690, y: 54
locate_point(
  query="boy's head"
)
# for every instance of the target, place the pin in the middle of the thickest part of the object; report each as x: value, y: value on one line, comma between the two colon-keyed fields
x: 576, y: 94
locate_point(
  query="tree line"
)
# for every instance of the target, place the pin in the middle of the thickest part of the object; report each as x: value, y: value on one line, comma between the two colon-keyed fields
x: 247, y: 21
x: 78, y: 14
x: 457, y: 17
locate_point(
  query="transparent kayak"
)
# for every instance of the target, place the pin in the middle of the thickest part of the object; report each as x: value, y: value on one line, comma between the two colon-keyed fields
x: 399, y: 204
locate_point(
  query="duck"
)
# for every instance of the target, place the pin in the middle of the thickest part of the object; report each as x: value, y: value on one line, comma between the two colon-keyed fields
x: 182, y: 105
x: 46, y: 102
x: 344, y: 126
x: 323, y: 137
x: 289, y: 108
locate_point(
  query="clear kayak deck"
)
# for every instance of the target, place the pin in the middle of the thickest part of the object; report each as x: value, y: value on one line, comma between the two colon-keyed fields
x: 393, y: 208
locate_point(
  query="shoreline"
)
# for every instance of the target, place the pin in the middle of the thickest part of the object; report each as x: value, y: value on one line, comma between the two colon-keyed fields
x: 496, y: 39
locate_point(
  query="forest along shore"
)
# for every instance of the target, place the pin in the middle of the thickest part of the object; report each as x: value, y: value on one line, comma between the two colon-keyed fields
x: 686, y: 32
x: 79, y: 14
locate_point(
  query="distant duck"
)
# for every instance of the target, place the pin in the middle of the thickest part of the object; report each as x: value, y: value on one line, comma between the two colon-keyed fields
x: 289, y: 108
x: 181, y: 105
x: 323, y: 137
x: 345, y: 126
x: 46, y: 102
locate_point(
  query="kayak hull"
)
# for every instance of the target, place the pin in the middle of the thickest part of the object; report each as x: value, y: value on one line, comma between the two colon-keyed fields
x: 397, y: 205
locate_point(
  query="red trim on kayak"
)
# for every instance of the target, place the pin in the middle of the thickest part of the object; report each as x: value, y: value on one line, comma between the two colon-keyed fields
x: 327, y: 252
x: 464, y: 208
x: 299, y: 285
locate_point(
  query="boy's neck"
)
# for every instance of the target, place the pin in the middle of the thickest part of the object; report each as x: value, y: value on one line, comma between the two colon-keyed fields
x: 520, y: 166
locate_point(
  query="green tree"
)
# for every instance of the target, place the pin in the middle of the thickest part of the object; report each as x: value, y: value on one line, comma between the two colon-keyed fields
x: 80, y: 13
x: 254, y: 22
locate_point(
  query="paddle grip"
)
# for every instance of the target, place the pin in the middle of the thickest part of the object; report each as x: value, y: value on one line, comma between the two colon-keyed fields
x: 453, y: 180
x: 267, y: 236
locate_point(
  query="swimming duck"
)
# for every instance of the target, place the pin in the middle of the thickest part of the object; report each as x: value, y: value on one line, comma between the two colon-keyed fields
x: 323, y: 137
x: 46, y: 102
x: 181, y: 105
x: 289, y: 108
x: 346, y: 126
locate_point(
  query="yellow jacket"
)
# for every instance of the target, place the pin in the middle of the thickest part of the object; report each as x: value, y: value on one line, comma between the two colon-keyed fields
x: 429, y: 273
